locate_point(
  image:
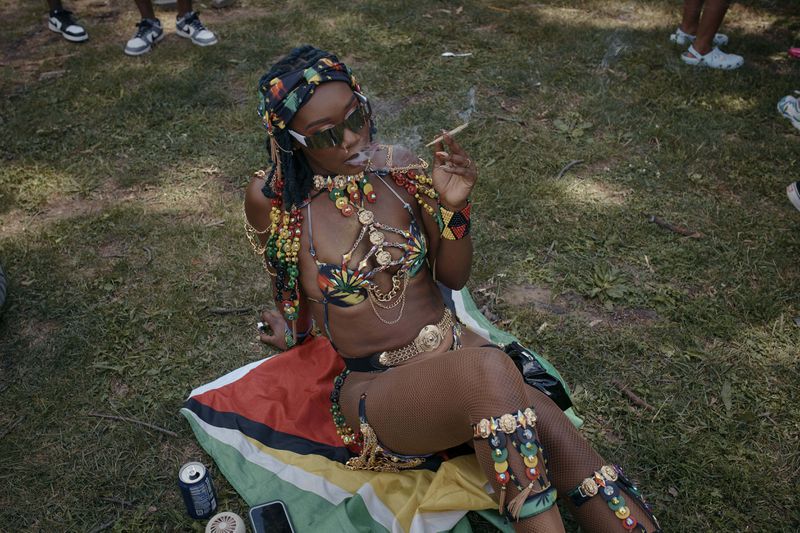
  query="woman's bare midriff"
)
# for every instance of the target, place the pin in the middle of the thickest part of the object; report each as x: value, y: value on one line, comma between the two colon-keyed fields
x: 357, y: 332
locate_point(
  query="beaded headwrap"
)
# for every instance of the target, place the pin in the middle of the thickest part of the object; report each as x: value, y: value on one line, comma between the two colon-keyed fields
x: 281, y: 97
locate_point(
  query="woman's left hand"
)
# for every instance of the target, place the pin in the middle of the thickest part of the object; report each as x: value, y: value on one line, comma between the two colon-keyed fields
x: 454, y: 174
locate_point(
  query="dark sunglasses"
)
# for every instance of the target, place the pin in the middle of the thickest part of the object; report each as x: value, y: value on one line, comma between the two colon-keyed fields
x: 334, y: 136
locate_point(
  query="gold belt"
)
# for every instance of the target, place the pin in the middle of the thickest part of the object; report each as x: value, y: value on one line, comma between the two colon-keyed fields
x: 429, y: 338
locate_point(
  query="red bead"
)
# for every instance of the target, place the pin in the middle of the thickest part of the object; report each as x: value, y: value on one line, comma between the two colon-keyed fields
x: 629, y: 523
x: 502, y: 477
x: 355, y: 196
x: 401, y: 181
x: 532, y: 473
x: 412, y: 189
x: 347, y: 210
x: 372, y: 197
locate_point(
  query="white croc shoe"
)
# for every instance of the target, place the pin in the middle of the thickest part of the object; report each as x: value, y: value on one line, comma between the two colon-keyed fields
x: 682, y: 38
x: 793, y: 192
x: 789, y: 107
x: 716, y: 58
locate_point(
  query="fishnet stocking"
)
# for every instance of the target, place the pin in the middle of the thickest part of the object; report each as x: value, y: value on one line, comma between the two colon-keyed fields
x: 571, y: 460
x: 430, y: 403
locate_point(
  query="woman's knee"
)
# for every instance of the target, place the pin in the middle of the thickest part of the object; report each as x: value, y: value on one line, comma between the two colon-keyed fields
x: 490, y: 363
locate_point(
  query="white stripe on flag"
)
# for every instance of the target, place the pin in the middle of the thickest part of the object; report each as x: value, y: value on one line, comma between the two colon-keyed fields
x: 230, y: 377
x: 466, y: 317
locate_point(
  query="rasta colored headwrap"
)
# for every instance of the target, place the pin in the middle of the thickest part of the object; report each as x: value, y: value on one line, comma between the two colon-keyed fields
x: 281, y: 97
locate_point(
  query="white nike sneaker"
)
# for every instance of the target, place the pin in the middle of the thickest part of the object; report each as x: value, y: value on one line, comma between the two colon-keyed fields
x: 61, y: 21
x: 189, y: 26
x: 148, y: 33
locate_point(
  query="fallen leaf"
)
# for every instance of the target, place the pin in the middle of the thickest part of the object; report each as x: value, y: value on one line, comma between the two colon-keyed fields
x: 726, y: 396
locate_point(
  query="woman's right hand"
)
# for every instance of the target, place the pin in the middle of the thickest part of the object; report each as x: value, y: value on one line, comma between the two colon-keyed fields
x: 278, y: 325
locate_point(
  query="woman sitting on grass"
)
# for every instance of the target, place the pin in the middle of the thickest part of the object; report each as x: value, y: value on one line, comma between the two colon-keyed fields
x: 355, y: 238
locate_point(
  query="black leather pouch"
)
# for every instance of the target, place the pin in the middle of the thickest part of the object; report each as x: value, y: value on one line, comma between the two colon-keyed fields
x: 537, y: 376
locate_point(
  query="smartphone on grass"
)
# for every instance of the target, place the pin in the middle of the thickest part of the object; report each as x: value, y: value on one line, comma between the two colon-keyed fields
x: 271, y: 517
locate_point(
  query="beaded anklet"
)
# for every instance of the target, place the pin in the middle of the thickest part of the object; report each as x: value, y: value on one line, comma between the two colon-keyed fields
x: 350, y: 438
x: 606, y: 483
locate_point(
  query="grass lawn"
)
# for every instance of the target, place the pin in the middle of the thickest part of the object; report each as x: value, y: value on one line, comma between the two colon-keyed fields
x: 120, y: 227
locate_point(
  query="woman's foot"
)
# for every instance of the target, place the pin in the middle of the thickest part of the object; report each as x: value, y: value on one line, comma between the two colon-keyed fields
x: 682, y: 38
x: 716, y: 58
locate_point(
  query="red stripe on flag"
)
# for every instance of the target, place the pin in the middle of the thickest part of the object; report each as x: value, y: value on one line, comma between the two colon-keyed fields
x: 289, y: 393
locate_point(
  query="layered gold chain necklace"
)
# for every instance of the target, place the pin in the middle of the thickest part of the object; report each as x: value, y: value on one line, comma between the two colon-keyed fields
x: 348, y: 194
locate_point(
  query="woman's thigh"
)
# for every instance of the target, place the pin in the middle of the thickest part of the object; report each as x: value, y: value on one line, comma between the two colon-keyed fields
x: 428, y: 405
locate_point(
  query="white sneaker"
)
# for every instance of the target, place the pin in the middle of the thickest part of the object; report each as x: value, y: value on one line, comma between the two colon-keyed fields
x: 61, y: 21
x: 716, y: 58
x: 682, y: 38
x: 148, y: 33
x: 189, y: 26
x: 789, y: 107
x: 793, y: 192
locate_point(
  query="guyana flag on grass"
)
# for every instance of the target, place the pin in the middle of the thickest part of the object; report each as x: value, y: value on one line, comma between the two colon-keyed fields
x: 268, y: 427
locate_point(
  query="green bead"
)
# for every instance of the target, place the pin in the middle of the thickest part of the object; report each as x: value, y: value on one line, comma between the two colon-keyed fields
x: 501, y: 457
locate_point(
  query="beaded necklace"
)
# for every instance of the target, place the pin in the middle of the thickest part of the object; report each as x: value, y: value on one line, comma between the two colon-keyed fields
x: 348, y: 193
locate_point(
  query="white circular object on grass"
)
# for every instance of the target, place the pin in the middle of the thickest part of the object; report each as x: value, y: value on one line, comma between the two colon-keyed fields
x: 226, y: 522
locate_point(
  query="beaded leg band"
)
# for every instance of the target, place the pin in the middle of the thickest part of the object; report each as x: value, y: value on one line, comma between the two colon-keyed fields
x: 519, y: 429
x: 609, y: 483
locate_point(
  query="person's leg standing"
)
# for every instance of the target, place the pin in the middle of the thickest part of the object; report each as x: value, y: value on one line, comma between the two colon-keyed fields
x: 188, y: 25
x: 704, y: 51
x: 691, y: 16
x: 62, y: 21
x: 148, y: 30
x: 710, y: 21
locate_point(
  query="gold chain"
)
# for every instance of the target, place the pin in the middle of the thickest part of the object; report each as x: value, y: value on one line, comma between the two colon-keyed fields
x: 402, y: 300
x: 374, y: 296
x: 397, y: 279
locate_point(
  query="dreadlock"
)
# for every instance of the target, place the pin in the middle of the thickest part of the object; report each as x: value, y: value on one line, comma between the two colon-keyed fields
x: 297, y: 173
x: 283, y: 90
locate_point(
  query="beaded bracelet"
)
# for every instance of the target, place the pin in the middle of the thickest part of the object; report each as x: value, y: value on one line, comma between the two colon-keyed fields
x: 455, y: 224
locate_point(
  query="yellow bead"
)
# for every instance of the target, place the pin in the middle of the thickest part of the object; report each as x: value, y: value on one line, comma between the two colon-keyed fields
x: 501, y: 467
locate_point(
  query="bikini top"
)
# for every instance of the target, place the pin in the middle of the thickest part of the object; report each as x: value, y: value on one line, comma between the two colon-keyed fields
x: 343, y: 286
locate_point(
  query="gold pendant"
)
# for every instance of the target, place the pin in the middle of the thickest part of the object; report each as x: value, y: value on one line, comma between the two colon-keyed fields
x: 376, y: 237
x: 383, y: 257
x: 365, y: 217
